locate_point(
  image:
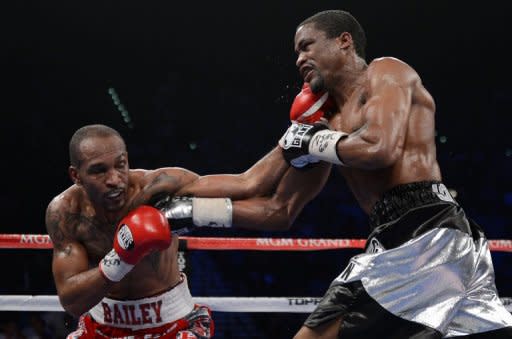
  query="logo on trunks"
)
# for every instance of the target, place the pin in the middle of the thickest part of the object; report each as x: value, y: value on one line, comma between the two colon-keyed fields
x: 294, y: 135
x: 132, y: 314
x: 375, y: 246
x: 125, y: 238
x: 442, y: 192
x: 346, y: 272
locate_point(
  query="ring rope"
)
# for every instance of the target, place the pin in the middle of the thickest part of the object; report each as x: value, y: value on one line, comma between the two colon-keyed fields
x: 50, y: 303
x: 43, y: 241
x: 219, y: 304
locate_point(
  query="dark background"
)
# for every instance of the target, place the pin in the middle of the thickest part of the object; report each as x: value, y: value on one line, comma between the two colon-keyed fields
x: 207, y: 86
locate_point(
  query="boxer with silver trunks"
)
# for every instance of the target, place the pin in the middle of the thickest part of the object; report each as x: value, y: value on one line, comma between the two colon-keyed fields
x: 427, y: 272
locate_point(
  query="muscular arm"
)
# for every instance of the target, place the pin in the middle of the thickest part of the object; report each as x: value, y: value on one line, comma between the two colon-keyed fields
x: 79, y: 287
x: 279, y: 210
x: 268, y: 196
x: 259, y: 180
x: 380, y: 141
x: 165, y: 181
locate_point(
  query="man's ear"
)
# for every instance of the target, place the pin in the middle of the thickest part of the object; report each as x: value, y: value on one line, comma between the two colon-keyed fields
x: 73, y: 174
x: 344, y: 40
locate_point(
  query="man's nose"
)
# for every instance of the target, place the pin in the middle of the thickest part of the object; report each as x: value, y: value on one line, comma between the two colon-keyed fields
x: 300, y: 60
x: 113, y: 178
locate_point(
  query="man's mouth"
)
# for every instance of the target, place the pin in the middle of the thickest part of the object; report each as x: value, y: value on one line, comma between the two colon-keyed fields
x: 307, y: 73
x: 115, y: 194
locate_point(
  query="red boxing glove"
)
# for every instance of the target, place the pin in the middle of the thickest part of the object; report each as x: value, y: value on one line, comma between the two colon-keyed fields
x: 309, y: 107
x: 143, y: 230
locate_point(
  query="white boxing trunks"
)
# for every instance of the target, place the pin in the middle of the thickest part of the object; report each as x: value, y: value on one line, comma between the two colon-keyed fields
x: 171, y: 314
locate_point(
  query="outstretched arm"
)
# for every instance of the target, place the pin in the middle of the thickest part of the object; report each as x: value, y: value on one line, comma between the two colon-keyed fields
x: 278, y: 211
x: 268, y: 196
x: 262, y: 178
x: 259, y: 180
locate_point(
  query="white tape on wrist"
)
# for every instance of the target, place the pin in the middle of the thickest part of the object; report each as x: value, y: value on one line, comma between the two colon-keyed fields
x: 113, y: 267
x: 213, y: 212
x: 324, y: 143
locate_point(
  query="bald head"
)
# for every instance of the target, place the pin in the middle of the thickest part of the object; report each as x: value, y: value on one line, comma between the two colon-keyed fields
x: 87, y: 132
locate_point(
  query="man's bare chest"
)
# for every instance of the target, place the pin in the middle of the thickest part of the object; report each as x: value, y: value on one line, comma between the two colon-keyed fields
x: 96, y: 236
x: 350, y: 117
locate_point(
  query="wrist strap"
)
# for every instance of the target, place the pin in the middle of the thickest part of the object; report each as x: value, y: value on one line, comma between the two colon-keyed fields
x: 113, y: 267
x: 323, y: 145
x: 213, y: 212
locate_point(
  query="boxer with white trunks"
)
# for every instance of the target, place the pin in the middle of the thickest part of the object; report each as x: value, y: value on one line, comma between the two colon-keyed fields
x: 171, y: 314
x: 115, y: 256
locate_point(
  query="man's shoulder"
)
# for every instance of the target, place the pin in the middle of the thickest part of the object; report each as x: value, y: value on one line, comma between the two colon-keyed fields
x: 393, y: 67
x: 69, y: 199
x: 388, y: 61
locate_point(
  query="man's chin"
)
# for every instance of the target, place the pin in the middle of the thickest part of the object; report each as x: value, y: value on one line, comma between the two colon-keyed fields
x: 115, y: 207
x: 317, y: 85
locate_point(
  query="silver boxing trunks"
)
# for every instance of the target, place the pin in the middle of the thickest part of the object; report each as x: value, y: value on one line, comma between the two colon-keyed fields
x: 426, y: 273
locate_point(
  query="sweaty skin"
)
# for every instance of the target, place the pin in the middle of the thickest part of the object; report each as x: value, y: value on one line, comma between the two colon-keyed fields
x: 388, y: 114
x: 275, y: 196
x: 82, y: 220
x: 384, y: 107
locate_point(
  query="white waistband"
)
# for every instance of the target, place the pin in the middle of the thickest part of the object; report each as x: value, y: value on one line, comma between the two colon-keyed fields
x: 146, y: 312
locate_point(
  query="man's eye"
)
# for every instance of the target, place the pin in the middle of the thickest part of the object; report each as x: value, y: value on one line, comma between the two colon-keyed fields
x: 96, y: 170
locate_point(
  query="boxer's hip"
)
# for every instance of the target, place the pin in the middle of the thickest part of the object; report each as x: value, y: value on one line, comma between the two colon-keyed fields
x: 161, y: 316
x: 410, y: 210
x: 145, y: 313
x: 426, y: 270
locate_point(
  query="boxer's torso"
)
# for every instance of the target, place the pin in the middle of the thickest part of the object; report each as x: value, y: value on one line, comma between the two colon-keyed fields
x: 156, y: 272
x: 417, y: 160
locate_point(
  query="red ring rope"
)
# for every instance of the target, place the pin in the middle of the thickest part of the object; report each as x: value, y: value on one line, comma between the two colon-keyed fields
x: 43, y: 241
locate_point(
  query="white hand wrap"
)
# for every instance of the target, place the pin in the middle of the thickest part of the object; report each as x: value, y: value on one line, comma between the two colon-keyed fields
x: 324, y: 146
x: 113, y: 267
x: 213, y: 212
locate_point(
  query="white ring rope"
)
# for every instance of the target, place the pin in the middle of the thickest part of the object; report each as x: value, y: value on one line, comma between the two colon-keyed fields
x: 219, y: 304
x: 51, y: 303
